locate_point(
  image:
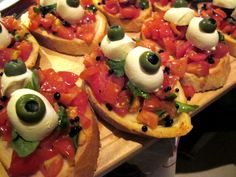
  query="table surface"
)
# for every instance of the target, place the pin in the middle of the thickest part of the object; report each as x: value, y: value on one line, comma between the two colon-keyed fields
x: 116, y: 146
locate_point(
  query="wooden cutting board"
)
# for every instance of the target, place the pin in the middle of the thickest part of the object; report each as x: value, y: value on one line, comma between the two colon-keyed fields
x: 116, y: 146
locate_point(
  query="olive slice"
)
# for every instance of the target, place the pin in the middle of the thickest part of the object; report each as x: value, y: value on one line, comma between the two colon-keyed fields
x: 73, y: 3
x: 180, y: 3
x: 30, y: 108
x: 115, y: 33
x: 150, y: 62
x: 208, y: 25
x: 14, y: 68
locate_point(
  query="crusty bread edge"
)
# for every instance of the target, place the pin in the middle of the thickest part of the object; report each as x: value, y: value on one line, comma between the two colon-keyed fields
x: 85, y: 158
x: 232, y: 44
x: 217, y: 77
x: 72, y: 47
x: 182, y: 124
x: 159, y: 7
x: 133, y: 25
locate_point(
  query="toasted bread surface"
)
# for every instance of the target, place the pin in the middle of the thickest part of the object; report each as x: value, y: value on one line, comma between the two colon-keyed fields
x: 232, y: 44
x: 129, y: 25
x: 71, y: 47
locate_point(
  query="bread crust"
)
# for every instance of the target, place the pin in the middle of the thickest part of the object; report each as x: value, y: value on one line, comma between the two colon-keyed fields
x: 232, y: 44
x: 181, y: 126
x: 215, y: 79
x: 158, y: 7
x: 72, y: 47
x: 85, y: 158
x: 133, y: 25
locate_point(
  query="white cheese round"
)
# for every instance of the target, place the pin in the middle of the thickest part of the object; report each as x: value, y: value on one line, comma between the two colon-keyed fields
x: 37, y: 131
x: 11, y: 83
x: 117, y: 50
x: 200, y: 39
x: 179, y: 16
x: 233, y: 15
x: 70, y: 14
x: 47, y: 2
x: 229, y: 4
x: 143, y: 80
x: 5, y: 37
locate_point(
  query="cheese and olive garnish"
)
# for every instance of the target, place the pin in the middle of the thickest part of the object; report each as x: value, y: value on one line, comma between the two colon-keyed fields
x: 142, y: 67
x: 5, y: 37
x: 31, y: 114
x: 202, y: 33
x: 116, y: 44
x: 70, y: 10
x: 15, y: 76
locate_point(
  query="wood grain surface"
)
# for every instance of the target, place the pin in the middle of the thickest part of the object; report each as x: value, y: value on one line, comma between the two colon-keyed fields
x: 116, y: 146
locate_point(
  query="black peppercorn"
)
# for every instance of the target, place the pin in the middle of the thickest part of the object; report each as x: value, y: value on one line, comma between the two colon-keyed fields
x: 109, y: 107
x: 168, y: 121
x: 57, y: 96
x: 144, y: 128
x: 3, y: 98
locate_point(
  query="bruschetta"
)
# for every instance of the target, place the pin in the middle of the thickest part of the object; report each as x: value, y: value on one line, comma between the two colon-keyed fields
x: 46, y: 124
x: 16, y: 42
x: 60, y: 26
x: 128, y: 88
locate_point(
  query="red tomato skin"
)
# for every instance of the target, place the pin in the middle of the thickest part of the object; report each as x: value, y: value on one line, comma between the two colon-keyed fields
x: 178, y: 66
x: 111, y: 7
x: 25, y: 49
x: 189, y: 91
x: 68, y: 77
x: 129, y: 12
x: 221, y: 50
x: 81, y: 101
x: 200, y: 68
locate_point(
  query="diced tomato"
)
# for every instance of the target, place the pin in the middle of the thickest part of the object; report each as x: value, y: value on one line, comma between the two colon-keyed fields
x: 182, y: 47
x: 122, y: 103
x: 189, y: 91
x: 152, y: 104
x: 7, y: 54
x: 65, y: 32
x: 34, y: 24
x: 170, y: 45
x: 165, y: 31
x: 5, y: 126
x: 89, y: 72
x: 85, y: 122
x: 52, y: 167
x: 148, y: 118
x: 149, y: 44
x: 10, y: 23
x: 165, y: 57
x: 49, y: 96
x: 47, y: 21
x: 111, y: 92
x: 164, y: 2
x: 86, y: 3
x: 129, y: 12
x: 200, y: 68
x: 64, y: 146
x: 112, y: 7
x: 25, y: 49
x: 178, y: 66
x: 194, y: 56
x: 81, y: 102
x: 88, y: 18
x: 221, y: 50
x: 68, y: 77
x: 86, y: 32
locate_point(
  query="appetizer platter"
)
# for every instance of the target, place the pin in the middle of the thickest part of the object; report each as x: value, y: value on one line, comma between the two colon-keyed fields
x: 142, y: 85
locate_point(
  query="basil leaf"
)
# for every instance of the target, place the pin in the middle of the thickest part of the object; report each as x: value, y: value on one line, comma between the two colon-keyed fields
x: 47, y: 9
x: 144, y: 4
x: 171, y: 97
x: 117, y: 67
x: 136, y: 91
x: 22, y: 147
x: 182, y: 107
x: 75, y: 141
x: 63, y: 120
x: 34, y: 83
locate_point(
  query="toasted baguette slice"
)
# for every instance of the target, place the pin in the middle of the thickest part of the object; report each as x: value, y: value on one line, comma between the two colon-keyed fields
x: 232, y: 44
x: 216, y: 78
x: 181, y: 126
x: 129, y: 25
x: 71, y: 47
x: 85, y: 158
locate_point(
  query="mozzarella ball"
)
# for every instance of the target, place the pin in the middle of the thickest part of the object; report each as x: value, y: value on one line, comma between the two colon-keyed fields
x: 36, y: 131
x: 136, y: 74
x: 117, y: 50
x: 70, y: 14
x: 229, y: 4
x: 179, y: 16
x: 11, y: 83
x: 200, y: 39
x: 47, y: 2
x: 5, y: 37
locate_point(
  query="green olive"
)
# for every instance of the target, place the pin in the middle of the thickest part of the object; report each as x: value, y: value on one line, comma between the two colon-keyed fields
x: 144, y: 4
x: 180, y: 3
x: 14, y: 68
x: 30, y: 108
x: 208, y: 25
x: 72, y: 3
x: 92, y: 8
x: 115, y: 33
x: 150, y: 62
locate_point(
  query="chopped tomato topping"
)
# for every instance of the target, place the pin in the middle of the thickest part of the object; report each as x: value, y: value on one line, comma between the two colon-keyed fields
x: 148, y: 118
x: 129, y: 12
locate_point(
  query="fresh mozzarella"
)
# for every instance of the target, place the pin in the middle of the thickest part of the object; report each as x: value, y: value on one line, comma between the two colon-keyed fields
x: 179, y: 16
x: 200, y: 39
x: 71, y: 14
x: 37, y: 131
x: 143, y: 80
x: 11, y: 83
x: 229, y: 4
x: 233, y: 15
x: 5, y: 37
x: 117, y: 50
x: 47, y: 2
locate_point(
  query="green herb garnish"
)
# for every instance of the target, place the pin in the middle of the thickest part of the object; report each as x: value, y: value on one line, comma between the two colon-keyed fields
x: 136, y: 91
